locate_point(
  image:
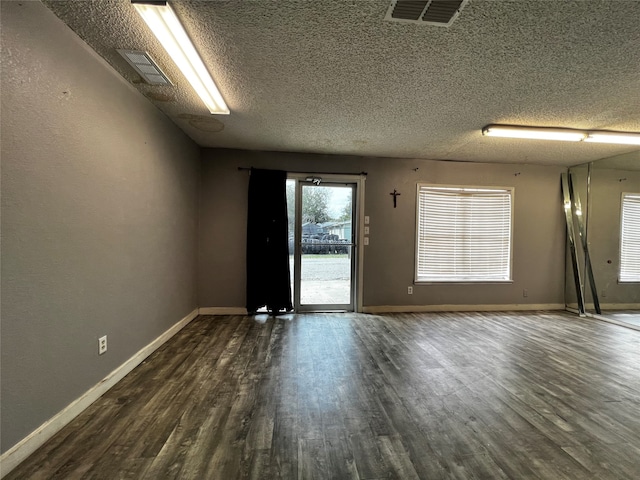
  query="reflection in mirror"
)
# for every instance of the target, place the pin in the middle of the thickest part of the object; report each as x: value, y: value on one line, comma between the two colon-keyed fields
x: 602, y: 185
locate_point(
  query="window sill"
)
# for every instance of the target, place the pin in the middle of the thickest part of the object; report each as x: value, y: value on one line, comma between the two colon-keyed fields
x: 460, y: 282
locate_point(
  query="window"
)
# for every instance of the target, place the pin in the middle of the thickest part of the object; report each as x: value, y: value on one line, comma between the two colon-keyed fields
x: 630, y: 238
x: 463, y: 234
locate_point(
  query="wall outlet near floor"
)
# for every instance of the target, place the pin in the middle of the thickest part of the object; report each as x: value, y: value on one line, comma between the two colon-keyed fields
x: 410, y: 290
x: 102, y: 345
x: 525, y: 293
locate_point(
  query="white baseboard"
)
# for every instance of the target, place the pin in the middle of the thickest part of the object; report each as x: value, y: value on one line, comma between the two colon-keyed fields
x: 20, y: 451
x: 413, y: 308
x: 222, y: 311
x: 461, y: 308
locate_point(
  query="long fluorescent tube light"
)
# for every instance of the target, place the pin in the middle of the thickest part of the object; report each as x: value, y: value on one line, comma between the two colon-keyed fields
x: 537, y: 133
x: 614, y: 137
x: 165, y: 25
x: 566, y: 134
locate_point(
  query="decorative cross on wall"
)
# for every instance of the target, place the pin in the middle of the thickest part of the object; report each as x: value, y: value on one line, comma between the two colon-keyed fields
x: 395, y: 197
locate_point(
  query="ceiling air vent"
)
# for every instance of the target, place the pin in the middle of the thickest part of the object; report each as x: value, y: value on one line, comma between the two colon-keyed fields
x: 145, y: 66
x: 425, y: 12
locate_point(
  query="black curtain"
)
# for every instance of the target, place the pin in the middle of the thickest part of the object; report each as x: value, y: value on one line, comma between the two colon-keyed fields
x: 268, y: 282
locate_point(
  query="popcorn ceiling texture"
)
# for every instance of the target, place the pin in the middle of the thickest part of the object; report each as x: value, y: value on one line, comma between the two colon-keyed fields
x: 334, y: 77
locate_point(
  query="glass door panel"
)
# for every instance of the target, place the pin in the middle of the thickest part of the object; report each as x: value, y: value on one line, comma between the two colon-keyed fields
x: 326, y: 278
x: 321, y: 244
x: 326, y: 241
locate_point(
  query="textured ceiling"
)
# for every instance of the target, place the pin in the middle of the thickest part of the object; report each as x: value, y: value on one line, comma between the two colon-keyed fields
x: 331, y: 76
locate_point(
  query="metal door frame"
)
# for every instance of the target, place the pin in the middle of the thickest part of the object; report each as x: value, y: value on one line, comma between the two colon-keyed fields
x: 356, y: 183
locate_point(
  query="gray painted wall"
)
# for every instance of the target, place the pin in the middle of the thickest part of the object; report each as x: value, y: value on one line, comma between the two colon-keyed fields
x: 538, y: 243
x: 99, y: 222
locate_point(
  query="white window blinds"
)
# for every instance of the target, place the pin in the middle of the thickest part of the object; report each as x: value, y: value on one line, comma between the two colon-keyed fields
x: 463, y: 234
x: 630, y: 238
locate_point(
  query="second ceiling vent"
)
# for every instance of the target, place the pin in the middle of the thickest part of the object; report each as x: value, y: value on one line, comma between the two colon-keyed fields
x: 144, y: 65
x: 427, y: 12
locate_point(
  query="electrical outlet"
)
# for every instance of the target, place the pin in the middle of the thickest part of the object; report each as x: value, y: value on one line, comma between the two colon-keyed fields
x: 102, y: 345
x: 525, y: 293
x: 366, y: 230
x: 410, y: 290
x: 366, y: 219
x: 366, y: 240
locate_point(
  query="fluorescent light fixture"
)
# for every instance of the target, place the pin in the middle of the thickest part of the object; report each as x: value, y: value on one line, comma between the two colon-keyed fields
x: 614, y: 137
x: 165, y: 25
x: 536, y: 133
x: 566, y: 134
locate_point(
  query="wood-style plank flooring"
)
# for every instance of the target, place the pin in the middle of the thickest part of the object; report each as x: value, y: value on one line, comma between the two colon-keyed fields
x: 340, y: 396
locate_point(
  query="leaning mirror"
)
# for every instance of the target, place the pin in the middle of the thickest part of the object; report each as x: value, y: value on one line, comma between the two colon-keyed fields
x: 609, y: 191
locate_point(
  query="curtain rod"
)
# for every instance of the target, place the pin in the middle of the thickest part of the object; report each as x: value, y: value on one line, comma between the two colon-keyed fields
x: 309, y: 173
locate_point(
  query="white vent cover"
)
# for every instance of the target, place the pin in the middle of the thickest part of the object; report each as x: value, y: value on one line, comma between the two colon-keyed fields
x: 145, y: 66
x: 425, y: 12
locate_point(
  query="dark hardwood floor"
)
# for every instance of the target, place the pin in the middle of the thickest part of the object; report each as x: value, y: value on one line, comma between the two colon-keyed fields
x: 338, y: 396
